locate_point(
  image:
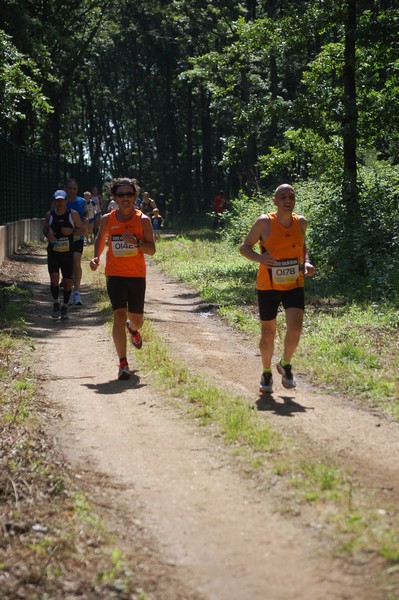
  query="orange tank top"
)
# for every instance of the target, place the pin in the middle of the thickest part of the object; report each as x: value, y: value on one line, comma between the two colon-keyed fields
x: 123, y: 258
x: 286, y: 245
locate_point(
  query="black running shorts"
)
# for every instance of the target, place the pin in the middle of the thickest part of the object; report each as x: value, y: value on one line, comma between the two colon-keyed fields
x: 78, y: 246
x: 127, y: 292
x: 60, y: 261
x: 270, y: 300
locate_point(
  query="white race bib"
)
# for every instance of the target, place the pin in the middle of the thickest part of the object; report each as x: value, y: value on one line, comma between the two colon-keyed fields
x: 122, y: 248
x: 286, y: 272
x: 61, y: 245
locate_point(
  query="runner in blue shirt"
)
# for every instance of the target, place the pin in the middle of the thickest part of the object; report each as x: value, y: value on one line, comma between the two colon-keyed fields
x: 77, y: 203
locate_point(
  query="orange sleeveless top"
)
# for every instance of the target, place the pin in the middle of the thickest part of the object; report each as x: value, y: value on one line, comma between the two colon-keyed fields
x: 286, y: 245
x: 123, y: 258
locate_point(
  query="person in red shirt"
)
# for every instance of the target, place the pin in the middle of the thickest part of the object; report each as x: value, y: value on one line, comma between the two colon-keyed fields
x: 130, y: 236
x: 219, y: 206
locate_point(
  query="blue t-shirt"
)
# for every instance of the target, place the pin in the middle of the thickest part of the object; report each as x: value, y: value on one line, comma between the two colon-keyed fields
x: 156, y: 223
x: 79, y: 204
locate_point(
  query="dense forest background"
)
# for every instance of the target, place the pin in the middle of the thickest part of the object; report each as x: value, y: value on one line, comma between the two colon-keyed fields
x: 190, y: 97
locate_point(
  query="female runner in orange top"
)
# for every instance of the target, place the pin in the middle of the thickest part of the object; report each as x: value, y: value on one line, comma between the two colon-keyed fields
x: 130, y: 236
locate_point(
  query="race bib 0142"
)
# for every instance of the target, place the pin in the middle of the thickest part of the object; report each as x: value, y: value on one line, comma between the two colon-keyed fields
x: 122, y: 248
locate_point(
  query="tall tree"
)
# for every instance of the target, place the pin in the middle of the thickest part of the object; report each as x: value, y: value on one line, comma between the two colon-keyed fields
x: 350, y: 116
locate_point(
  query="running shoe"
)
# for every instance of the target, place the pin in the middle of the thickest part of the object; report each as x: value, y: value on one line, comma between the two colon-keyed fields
x: 123, y: 372
x: 76, y: 299
x: 56, y: 310
x: 71, y: 300
x: 287, y: 378
x: 266, y: 383
x: 135, y: 336
x: 64, y: 312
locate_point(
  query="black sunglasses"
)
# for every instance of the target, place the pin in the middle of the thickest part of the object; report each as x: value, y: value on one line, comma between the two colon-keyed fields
x: 123, y: 194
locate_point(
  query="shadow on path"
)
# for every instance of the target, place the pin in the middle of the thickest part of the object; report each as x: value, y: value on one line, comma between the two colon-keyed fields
x: 286, y: 408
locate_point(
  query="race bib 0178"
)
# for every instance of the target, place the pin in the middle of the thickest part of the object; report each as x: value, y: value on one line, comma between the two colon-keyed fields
x: 286, y: 272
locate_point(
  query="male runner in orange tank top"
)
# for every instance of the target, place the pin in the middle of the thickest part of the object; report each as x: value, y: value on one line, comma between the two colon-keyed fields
x: 283, y: 264
x: 130, y: 236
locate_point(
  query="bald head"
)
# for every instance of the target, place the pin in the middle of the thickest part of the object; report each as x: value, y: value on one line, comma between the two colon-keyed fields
x: 284, y: 188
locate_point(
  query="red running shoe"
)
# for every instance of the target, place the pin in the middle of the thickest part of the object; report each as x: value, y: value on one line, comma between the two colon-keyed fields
x: 123, y: 372
x: 135, y: 336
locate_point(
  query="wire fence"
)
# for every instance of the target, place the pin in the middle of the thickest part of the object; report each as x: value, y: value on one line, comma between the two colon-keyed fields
x: 28, y: 180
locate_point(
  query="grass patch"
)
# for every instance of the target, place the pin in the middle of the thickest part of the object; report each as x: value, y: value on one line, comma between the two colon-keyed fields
x: 235, y: 420
x: 12, y: 298
x: 356, y: 352
x: 213, y: 268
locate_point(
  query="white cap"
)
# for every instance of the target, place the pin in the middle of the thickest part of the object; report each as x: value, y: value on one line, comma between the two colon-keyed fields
x: 60, y: 194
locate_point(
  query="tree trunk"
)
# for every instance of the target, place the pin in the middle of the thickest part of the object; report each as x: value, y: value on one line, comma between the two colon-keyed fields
x: 350, y: 115
x: 207, y: 178
x: 189, y: 204
x: 352, y: 242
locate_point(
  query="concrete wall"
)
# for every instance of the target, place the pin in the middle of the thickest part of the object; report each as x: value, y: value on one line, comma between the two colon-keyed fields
x: 12, y: 235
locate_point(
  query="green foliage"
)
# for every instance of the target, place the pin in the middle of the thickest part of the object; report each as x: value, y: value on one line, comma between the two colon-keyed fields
x: 379, y: 193
x: 191, y: 96
x: 320, y: 202
x: 19, y: 84
x: 333, y: 246
x: 378, y: 75
x: 323, y: 97
x: 303, y: 152
x: 243, y: 212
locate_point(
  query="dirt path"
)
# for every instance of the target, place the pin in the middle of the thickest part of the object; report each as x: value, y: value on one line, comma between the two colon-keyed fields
x: 217, y: 535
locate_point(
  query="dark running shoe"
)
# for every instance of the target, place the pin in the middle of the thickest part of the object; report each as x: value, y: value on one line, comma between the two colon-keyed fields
x: 287, y: 378
x: 123, y: 372
x: 266, y: 383
x: 64, y: 312
x: 135, y: 336
x: 56, y: 310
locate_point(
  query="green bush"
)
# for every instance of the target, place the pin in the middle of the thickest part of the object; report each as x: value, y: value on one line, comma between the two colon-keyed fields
x: 379, y: 194
x: 243, y: 212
